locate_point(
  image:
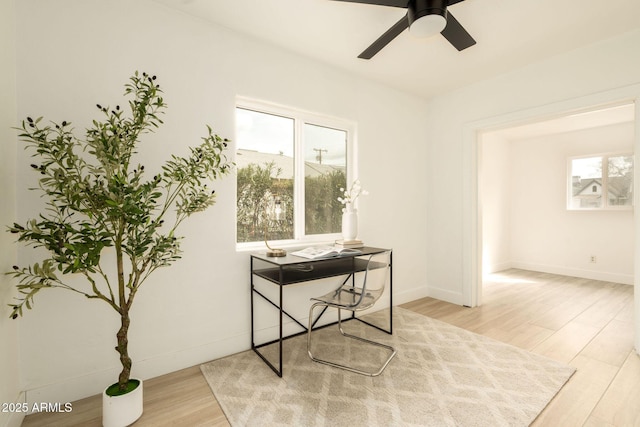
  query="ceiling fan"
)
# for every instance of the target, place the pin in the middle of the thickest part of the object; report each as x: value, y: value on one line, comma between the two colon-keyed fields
x: 424, y: 18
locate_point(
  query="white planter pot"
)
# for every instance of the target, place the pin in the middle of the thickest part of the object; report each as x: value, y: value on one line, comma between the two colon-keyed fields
x: 124, y: 410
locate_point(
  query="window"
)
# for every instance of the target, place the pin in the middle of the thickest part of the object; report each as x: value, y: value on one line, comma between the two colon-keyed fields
x: 601, y: 182
x: 291, y: 166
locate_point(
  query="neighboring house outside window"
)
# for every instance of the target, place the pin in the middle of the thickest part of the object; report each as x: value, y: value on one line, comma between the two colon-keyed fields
x: 291, y: 166
x: 601, y: 182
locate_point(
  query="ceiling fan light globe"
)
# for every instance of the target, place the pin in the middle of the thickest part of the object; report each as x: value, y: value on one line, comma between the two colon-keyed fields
x: 428, y: 25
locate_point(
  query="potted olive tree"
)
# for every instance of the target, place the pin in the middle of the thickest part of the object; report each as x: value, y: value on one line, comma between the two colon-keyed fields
x: 99, y: 200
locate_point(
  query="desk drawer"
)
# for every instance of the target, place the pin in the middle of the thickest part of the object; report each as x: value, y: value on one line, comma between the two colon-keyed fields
x: 305, y: 271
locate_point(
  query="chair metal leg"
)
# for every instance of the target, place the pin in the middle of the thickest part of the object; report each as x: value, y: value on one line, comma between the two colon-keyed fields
x: 337, y: 365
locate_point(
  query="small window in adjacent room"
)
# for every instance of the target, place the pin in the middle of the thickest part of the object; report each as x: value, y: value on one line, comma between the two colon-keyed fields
x: 291, y: 165
x: 601, y: 182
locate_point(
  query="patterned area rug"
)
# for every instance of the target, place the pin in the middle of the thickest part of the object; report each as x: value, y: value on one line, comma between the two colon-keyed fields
x: 441, y: 376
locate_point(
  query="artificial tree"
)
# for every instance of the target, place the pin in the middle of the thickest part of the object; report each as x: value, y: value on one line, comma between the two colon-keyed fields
x: 98, y: 200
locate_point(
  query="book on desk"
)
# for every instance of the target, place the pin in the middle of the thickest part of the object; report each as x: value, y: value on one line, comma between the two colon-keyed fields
x: 349, y: 243
x: 320, y: 252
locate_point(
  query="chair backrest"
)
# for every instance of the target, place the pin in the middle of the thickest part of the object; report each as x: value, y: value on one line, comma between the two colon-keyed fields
x: 376, y: 275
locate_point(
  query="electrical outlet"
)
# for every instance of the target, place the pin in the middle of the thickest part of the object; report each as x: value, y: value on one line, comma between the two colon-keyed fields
x: 593, y: 259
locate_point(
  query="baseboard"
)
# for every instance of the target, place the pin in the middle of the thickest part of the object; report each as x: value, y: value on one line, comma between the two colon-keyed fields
x: 626, y: 279
x: 494, y: 268
x: 410, y: 295
x: 447, y: 295
x: 13, y: 418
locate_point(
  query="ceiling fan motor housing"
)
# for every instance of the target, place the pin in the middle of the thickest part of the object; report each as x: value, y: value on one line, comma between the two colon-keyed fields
x: 419, y: 8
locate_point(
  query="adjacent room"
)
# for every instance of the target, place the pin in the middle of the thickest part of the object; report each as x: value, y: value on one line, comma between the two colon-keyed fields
x: 485, y: 170
x: 541, y: 212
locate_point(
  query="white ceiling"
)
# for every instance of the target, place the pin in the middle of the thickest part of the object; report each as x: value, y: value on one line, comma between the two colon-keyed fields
x: 509, y: 34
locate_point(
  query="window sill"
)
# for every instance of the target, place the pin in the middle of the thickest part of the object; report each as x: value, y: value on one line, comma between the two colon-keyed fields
x: 325, y: 239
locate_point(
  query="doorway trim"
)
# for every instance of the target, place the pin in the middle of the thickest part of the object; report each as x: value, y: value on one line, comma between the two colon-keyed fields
x: 472, y: 197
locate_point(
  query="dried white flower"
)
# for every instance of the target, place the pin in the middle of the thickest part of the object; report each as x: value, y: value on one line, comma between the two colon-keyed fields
x: 353, y: 193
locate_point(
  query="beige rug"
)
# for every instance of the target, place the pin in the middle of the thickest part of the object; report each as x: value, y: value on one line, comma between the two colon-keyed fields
x: 441, y: 376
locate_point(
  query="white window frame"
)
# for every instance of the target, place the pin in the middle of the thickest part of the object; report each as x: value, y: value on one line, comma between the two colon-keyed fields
x: 604, y: 182
x: 300, y: 118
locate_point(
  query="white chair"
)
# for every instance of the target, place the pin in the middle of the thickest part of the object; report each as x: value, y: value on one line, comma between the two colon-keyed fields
x: 356, y: 297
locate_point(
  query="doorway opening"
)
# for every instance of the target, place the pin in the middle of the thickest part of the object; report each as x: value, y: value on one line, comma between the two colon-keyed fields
x: 473, y: 198
x: 530, y: 193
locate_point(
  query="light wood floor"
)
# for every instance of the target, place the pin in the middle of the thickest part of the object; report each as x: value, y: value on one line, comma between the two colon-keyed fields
x: 585, y: 323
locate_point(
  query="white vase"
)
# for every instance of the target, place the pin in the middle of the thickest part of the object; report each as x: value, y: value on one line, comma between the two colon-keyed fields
x: 123, y: 410
x: 349, y: 223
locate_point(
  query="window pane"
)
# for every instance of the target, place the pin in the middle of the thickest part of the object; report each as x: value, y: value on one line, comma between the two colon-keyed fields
x: 586, y: 176
x: 325, y: 160
x: 264, y: 159
x: 620, y: 181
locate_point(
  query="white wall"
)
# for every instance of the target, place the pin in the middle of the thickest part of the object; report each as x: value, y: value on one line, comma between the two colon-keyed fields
x: 9, y: 368
x: 495, y: 184
x: 589, y: 74
x: 73, y: 54
x: 536, y: 229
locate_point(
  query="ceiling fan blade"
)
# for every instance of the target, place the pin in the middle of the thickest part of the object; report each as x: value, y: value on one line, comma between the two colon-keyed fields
x: 386, y: 38
x: 450, y: 2
x: 392, y: 3
x: 456, y: 34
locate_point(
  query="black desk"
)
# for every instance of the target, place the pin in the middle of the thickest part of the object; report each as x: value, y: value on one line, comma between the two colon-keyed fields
x: 290, y: 270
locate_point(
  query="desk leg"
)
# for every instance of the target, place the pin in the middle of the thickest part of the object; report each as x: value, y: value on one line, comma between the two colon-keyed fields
x: 391, y: 292
x: 280, y: 344
x: 253, y: 344
x: 281, y: 311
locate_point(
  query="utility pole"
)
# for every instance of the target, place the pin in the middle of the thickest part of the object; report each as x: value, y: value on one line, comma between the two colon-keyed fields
x: 319, y: 156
